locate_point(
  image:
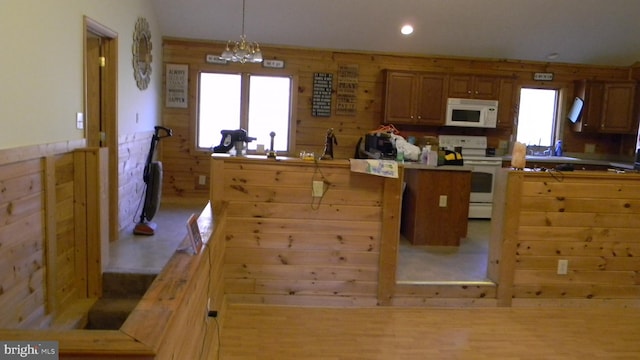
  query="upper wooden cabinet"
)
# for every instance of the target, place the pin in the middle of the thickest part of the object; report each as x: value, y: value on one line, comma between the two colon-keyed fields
x: 474, y: 87
x: 415, y: 98
x: 507, y: 104
x: 608, y: 106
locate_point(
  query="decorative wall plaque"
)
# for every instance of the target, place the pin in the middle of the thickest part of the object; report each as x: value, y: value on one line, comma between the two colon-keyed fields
x: 347, y: 91
x: 322, y: 87
x: 141, y: 50
x: 177, y: 86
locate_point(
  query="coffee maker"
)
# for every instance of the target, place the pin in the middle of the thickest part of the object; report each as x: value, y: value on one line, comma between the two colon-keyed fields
x: 233, y: 142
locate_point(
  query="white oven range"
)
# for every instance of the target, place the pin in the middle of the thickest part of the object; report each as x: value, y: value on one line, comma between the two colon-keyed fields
x: 483, y: 172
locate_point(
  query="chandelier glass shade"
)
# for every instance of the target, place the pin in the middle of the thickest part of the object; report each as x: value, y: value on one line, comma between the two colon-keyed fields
x: 242, y: 51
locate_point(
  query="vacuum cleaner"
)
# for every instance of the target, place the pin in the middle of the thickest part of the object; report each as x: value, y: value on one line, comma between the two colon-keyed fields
x: 152, y: 176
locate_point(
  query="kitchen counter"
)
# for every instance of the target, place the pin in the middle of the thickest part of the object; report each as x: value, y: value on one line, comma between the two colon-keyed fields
x: 534, y: 160
x: 422, y: 166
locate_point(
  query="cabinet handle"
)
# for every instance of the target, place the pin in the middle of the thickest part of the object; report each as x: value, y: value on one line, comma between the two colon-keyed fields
x: 419, y: 117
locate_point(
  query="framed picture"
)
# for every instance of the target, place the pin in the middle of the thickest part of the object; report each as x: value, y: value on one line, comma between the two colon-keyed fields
x: 194, y: 233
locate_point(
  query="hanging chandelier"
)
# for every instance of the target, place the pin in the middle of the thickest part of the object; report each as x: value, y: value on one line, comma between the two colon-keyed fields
x: 242, y: 51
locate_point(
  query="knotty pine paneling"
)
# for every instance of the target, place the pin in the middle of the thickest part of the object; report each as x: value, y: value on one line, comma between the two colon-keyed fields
x: 589, y: 219
x: 67, y: 255
x: 40, y: 258
x: 183, y: 165
x: 22, y: 262
x: 284, y: 246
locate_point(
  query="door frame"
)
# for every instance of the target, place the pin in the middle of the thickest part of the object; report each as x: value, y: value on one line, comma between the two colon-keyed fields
x: 108, y: 111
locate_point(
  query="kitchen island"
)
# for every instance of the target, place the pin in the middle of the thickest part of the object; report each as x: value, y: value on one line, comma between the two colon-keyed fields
x: 435, y: 204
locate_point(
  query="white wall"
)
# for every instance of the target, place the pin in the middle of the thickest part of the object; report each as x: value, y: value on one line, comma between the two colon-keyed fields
x: 41, y: 69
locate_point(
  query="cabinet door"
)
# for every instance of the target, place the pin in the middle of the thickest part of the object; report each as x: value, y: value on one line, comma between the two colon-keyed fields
x: 460, y: 86
x: 507, y: 111
x: 399, y: 98
x: 618, y: 108
x: 474, y: 87
x: 485, y: 87
x: 593, y: 95
x: 431, y: 102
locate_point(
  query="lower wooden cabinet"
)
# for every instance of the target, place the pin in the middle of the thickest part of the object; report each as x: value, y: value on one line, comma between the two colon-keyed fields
x: 435, y: 206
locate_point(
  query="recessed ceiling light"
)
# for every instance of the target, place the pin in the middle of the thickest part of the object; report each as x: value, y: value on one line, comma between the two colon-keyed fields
x: 406, y: 29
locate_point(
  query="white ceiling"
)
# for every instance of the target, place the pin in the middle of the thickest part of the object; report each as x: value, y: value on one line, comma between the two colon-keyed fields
x: 598, y: 32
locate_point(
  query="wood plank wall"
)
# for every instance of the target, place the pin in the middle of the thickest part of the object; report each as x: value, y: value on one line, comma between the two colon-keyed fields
x: 38, y: 249
x: 171, y: 318
x: 183, y: 165
x: 587, y: 218
x: 285, y: 247
x: 22, y: 257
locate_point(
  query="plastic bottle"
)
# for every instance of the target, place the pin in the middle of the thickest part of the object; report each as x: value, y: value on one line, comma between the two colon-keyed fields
x: 424, y: 155
x: 558, y: 149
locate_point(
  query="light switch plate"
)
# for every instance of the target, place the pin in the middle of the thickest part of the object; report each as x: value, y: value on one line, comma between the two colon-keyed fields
x: 79, y: 121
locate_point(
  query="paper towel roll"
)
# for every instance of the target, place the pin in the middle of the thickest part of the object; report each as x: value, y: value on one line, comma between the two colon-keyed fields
x: 518, y: 156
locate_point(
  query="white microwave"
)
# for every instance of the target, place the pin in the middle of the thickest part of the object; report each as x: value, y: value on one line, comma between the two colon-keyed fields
x: 472, y: 113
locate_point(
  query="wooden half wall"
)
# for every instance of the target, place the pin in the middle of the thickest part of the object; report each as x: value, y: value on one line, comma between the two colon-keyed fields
x: 53, y: 232
x: 284, y: 246
x: 590, y: 219
x: 172, y: 319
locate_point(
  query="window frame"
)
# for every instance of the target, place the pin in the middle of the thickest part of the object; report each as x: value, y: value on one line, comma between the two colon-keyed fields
x: 245, y: 71
x: 560, y: 111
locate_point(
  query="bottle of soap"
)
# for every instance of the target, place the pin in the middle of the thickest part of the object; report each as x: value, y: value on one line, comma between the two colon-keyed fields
x: 558, y: 149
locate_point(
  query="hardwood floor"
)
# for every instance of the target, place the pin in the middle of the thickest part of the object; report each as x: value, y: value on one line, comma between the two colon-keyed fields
x: 271, y: 332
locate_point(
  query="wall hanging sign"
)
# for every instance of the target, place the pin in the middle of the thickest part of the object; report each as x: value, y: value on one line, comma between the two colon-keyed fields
x: 274, y: 64
x: 347, y: 90
x: 214, y: 59
x: 177, y: 85
x: 543, y: 76
x: 321, y: 100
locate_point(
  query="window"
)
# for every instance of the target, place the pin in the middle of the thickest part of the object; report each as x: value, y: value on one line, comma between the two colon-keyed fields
x: 537, y: 117
x: 259, y: 104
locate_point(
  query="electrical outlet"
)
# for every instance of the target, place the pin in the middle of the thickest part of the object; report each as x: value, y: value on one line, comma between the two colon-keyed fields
x: 563, y: 267
x: 318, y: 189
x: 590, y: 148
x: 443, y: 201
x: 211, y: 313
x: 202, y: 180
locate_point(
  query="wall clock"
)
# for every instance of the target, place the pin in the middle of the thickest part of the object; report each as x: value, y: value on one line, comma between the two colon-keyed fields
x: 142, y: 53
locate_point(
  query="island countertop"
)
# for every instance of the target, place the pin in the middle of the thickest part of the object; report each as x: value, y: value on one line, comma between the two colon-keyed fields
x: 422, y: 166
